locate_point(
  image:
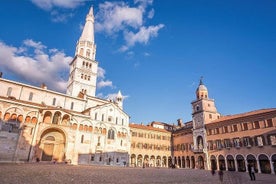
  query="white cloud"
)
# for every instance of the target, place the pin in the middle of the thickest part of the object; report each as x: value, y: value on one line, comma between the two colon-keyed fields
x: 143, y: 35
x: 119, y: 18
x: 111, y: 96
x: 102, y: 84
x: 40, y: 65
x: 49, y: 4
x: 115, y: 16
x: 60, y: 17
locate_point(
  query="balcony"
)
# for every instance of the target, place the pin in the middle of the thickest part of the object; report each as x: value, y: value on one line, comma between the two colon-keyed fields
x: 197, y: 150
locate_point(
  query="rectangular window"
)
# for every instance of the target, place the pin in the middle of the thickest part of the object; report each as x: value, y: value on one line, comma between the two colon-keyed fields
x: 247, y: 142
x: 96, y: 116
x: 210, y: 116
x: 116, y: 120
x: 259, y: 141
x: 256, y: 124
x: 54, y: 101
x: 218, y: 144
x: 210, y: 145
x: 31, y: 96
x: 236, y: 142
x: 245, y: 126
x: 227, y: 143
x: 272, y: 139
x: 217, y: 131
x: 102, y: 117
x: 72, y: 105
x: 225, y: 129
x: 269, y: 123
x: 235, y: 128
x: 122, y: 121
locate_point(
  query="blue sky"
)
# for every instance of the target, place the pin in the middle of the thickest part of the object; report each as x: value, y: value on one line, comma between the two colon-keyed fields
x: 153, y: 51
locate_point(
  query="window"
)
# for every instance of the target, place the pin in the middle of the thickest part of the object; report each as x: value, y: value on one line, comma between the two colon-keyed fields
x: 96, y: 114
x: 102, y: 117
x: 218, y: 144
x: 210, y: 116
x: 72, y: 105
x: 235, y: 128
x: 236, y: 142
x: 82, y: 138
x: 116, y: 120
x: 227, y: 143
x: 256, y: 124
x: 81, y: 51
x: 92, y: 157
x: 225, y: 129
x: 54, y: 101
x: 82, y: 75
x: 109, y: 118
x: 272, y: 140
x: 259, y: 140
x: 245, y: 126
x: 210, y: 145
x: 269, y: 123
x: 88, y: 53
x: 122, y: 121
x: 217, y: 131
x: 9, y: 91
x: 197, y: 108
x: 31, y: 96
x: 110, y: 134
x: 247, y: 142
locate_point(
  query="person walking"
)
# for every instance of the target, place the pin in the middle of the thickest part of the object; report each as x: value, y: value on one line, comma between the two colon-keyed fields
x: 251, y: 171
x: 220, y: 173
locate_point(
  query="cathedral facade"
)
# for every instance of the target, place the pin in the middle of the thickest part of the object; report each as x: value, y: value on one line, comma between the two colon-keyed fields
x: 38, y: 124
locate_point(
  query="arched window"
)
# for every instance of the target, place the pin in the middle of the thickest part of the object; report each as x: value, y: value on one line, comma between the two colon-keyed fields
x: 83, y: 63
x: 56, y: 118
x: 96, y: 116
x: 9, y: 91
x: 110, y: 134
x: 81, y: 51
x: 82, y: 75
x: 88, y: 53
x: 90, y: 65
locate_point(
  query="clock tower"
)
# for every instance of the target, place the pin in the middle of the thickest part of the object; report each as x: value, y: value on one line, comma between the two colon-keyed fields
x: 204, y: 112
x: 83, y: 68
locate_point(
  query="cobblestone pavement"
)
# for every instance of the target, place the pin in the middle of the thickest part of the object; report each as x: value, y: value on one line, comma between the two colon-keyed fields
x: 61, y: 173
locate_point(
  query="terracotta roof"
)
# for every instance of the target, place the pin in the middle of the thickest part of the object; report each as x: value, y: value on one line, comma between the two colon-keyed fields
x: 243, y: 115
x: 147, y: 127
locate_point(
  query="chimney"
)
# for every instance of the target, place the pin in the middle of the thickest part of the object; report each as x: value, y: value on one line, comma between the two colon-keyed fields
x: 180, y: 122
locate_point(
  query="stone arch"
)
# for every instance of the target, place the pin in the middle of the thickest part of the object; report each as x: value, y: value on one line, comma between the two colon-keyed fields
x: 56, y: 118
x: 264, y: 163
x: 47, y: 117
x: 213, y: 162
x: 139, y: 160
x: 200, y: 161
x: 240, y: 163
x: 183, y: 161
x: 251, y: 159
x: 52, y: 145
x: 188, y: 162
x: 273, y: 160
x: 133, y: 160
x: 193, y: 162
x: 164, y: 161
x: 152, y: 161
x: 65, y: 119
x: 158, y: 161
x: 221, y: 161
x: 199, y: 141
x: 230, y: 163
x: 146, y: 161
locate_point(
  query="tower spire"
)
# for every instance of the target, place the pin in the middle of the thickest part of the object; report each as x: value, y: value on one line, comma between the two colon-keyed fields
x: 83, y: 68
x: 88, y: 29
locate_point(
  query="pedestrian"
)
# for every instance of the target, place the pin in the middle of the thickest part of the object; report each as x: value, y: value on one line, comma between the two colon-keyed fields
x: 213, y: 171
x: 220, y: 173
x: 251, y: 171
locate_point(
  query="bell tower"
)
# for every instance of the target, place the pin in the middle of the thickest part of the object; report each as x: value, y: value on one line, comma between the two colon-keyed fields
x: 83, y: 68
x: 204, y: 112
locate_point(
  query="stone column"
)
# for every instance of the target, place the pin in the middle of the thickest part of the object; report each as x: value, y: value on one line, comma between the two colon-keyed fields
x: 271, y: 166
x: 258, y: 165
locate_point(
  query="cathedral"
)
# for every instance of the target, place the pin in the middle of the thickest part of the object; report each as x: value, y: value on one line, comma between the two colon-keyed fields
x: 38, y: 124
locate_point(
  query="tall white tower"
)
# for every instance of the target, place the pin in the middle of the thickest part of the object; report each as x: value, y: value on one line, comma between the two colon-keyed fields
x: 119, y: 99
x: 204, y: 112
x: 83, y: 68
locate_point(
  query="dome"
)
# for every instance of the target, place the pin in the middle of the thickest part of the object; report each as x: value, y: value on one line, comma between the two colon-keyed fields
x: 202, y: 87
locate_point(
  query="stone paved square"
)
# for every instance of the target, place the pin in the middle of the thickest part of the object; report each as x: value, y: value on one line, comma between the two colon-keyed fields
x: 61, y: 173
